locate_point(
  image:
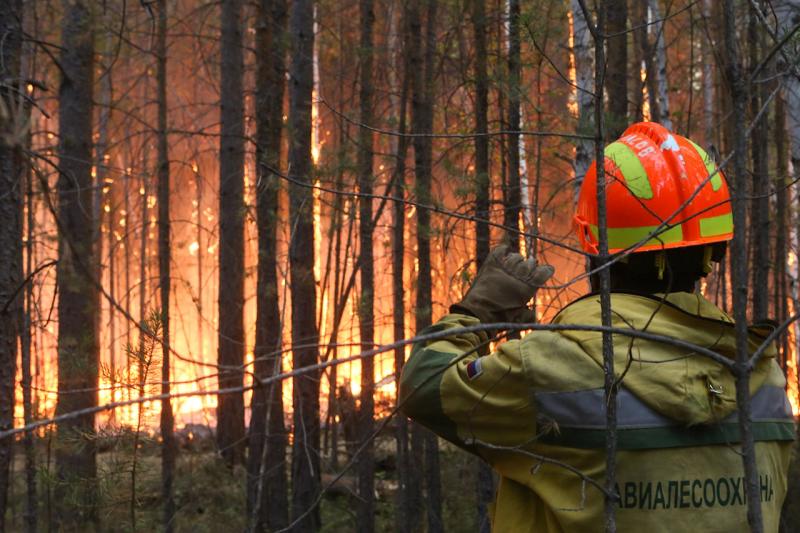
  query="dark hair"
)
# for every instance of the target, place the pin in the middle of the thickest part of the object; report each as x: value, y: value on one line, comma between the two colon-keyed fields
x: 640, y: 272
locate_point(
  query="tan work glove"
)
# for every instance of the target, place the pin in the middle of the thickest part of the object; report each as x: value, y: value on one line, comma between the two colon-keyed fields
x: 503, y: 287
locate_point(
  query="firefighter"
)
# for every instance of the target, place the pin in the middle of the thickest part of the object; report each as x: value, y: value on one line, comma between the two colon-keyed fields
x: 535, y: 408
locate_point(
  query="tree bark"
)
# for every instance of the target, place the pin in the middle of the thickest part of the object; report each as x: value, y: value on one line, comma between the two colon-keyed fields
x: 305, y: 337
x: 11, y: 183
x: 230, y: 410
x: 403, y: 515
x: 422, y: 80
x: 485, y: 484
x: 736, y: 81
x: 584, y: 93
x: 167, y: 422
x: 617, y: 70
x: 659, y: 69
x: 31, y: 516
x: 482, y: 180
x: 366, y: 314
x: 77, y: 339
x: 513, y: 198
x: 759, y: 212
x: 266, y: 480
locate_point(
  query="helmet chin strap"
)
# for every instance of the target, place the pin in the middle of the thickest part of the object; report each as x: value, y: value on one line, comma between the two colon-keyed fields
x: 661, y: 263
x: 707, y: 259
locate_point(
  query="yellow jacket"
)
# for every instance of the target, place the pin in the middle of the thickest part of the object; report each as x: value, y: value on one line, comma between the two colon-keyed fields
x: 534, y: 409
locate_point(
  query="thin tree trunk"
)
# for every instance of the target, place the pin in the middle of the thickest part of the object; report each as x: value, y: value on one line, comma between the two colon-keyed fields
x: 230, y: 410
x: 759, y: 217
x: 266, y: 480
x: 77, y: 305
x: 610, y: 383
x: 415, y: 73
x: 31, y: 500
x: 485, y: 483
x: 708, y: 83
x: 786, y: 13
x: 167, y: 424
x: 736, y: 81
x: 403, y: 516
x: 780, y: 279
x: 366, y: 314
x: 584, y: 79
x: 660, y: 94
x: 617, y: 74
x: 513, y: 198
x: 11, y: 180
x: 482, y: 180
x: 422, y: 122
x: 638, y: 14
x: 305, y: 392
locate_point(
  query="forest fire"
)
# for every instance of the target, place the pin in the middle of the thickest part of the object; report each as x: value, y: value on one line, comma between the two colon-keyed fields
x: 224, y: 205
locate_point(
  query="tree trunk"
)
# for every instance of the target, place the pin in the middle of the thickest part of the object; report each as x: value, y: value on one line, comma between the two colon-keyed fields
x: 759, y: 211
x: 736, y: 81
x: 77, y: 304
x: 167, y: 423
x: 782, y: 184
x: 485, y: 485
x: 266, y: 480
x: 482, y: 181
x: 659, y: 70
x: 610, y: 385
x: 617, y: 69
x: 403, y: 516
x: 786, y: 13
x: 230, y: 410
x: 422, y: 80
x: 708, y: 82
x: 11, y: 181
x: 637, y: 11
x: 305, y: 392
x: 366, y: 314
x: 584, y: 79
x: 31, y: 500
x: 513, y: 198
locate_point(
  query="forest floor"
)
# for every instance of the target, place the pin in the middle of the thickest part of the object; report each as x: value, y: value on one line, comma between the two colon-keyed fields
x: 211, y: 498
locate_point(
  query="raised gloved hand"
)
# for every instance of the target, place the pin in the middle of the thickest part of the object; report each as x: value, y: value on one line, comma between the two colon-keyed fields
x: 503, y: 287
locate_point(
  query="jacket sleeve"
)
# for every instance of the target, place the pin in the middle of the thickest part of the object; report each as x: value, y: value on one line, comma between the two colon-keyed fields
x: 468, y: 399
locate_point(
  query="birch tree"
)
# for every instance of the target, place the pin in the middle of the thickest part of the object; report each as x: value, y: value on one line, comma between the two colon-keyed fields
x: 659, y: 72
x: 584, y: 91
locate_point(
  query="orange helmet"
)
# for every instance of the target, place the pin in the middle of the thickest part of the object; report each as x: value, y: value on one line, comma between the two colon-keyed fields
x: 650, y: 174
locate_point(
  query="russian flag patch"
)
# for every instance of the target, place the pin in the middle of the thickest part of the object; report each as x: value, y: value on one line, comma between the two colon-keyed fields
x: 475, y: 369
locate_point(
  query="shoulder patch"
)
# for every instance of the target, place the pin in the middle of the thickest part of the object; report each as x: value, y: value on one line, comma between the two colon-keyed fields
x: 474, y: 369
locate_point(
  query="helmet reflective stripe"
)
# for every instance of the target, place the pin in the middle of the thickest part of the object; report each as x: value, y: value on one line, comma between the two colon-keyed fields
x: 719, y: 225
x: 716, y: 179
x: 655, y: 176
x: 630, y: 168
x: 619, y: 238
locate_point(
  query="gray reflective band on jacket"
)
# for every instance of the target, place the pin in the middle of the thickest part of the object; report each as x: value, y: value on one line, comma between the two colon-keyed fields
x: 578, y: 419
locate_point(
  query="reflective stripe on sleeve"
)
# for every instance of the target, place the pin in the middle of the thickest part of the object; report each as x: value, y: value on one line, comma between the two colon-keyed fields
x: 580, y: 418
